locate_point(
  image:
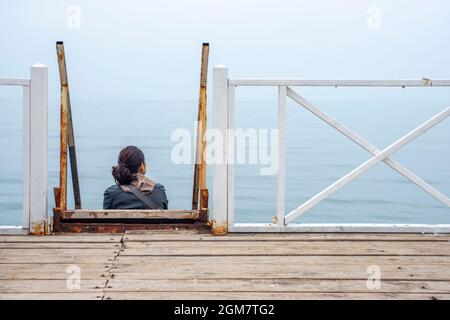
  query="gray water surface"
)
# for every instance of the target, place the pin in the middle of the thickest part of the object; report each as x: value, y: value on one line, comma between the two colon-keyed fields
x: 316, y: 156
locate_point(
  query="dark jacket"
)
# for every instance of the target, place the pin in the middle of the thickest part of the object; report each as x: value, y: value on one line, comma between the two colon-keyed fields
x: 116, y: 198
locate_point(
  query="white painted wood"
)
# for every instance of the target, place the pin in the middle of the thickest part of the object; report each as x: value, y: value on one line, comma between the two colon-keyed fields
x: 379, y: 155
x: 25, y: 83
x: 256, y: 227
x: 13, y: 230
x: 367, y: 165
x: 230, y: 154
x: 38, y: 148
x: 342, y: 228
x: 26, y: 143
x: 220, y: 125
x: 367, y: 146
x: 14, y: 82
x: 340, y: 83
x: 282, y: 91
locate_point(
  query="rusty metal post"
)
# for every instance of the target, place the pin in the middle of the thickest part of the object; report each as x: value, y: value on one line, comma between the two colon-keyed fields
x: 70, y: 132
x: 61, y: 191
x: 204, y: 210
x: 63, y: 151
x: 200, y: 164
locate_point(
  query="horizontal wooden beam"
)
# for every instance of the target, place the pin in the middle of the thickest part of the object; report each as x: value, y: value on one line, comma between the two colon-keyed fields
x: 131, y: 214
x: 340, y: 83
x: 14, y: 82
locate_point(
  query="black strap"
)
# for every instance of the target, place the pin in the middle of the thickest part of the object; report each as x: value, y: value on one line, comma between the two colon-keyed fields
x: 146, y: 200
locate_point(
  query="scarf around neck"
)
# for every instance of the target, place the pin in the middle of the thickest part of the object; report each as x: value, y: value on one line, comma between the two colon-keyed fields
x: 143, y: 183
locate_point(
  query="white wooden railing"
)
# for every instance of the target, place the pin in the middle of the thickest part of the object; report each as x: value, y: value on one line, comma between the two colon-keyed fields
x: 35, y: 110
x: 223, y: 179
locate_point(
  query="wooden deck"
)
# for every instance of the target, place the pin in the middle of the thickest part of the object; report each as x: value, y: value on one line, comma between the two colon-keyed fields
x: 186, y: 265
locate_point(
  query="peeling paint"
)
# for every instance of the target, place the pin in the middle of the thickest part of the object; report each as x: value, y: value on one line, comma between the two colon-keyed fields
x: 219, y: 229
x: 39, y: 228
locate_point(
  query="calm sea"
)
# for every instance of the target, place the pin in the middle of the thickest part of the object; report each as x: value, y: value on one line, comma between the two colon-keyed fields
x: 316, y: 156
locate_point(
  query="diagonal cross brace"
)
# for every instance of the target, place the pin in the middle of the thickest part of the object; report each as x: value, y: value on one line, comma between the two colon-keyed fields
x: 368, y: 146
x: 378, y: 156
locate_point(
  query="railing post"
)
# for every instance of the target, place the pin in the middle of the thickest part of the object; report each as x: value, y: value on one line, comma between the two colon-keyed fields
x: 38, y: 149
x: 26, y: 158
x: 282, y: 91
x: 230, y: 155
x: 219, y: 217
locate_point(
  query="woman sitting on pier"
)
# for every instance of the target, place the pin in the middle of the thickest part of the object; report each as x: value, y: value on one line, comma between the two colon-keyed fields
x: 133, y: 190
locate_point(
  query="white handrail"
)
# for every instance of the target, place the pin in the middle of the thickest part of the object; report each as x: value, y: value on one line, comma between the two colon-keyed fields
x: 223, y: 179
x: 340, y: 83
x: 14, y: 82
x: 35, y: 109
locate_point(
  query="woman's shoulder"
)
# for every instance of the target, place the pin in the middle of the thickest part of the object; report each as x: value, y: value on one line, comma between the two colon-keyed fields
x: 112, y: 190
x: 159, y: 186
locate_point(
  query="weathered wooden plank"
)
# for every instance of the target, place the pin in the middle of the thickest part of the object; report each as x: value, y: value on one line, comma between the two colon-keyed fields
x: 145, y: 236
x: 58, y: 245
x: 56, y: 259
x: 268, y: 296
x: 286, y: 248
x: 81, y: 238
x: 307, y: 267
x: 277, y: 285
x: 37, y: 286
x: 102, y: 226
x: 51, y: 275
x: 131, y: 214
x: 52, y: 296
x: 50, y: 267
x: 159, y: 269
x: 41, y: 271
x: 30, y: 253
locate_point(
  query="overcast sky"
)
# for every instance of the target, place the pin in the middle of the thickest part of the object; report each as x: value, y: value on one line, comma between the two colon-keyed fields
x: 151, y: 49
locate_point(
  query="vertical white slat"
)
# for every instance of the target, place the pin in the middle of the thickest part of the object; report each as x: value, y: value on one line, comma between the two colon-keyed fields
x: 282, y: 91
x: 230, y: 155
x: 219, y: 217
x: 38, y: 149
x: 26, y: 158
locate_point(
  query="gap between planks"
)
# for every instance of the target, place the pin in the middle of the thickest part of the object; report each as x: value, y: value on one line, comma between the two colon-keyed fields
x: 268, y: 296
x: 289, y: 237
x: 109, y: 274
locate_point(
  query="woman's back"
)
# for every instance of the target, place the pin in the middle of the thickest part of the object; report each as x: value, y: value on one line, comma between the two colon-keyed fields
x: 133, y: 190
x: 116, y: 198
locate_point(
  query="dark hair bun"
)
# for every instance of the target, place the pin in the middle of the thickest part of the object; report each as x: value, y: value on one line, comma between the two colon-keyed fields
x: 130, y: 159
x: 122, y: 174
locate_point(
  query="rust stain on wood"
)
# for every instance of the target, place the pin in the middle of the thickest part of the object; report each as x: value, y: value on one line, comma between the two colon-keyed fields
x: 219, y: 228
